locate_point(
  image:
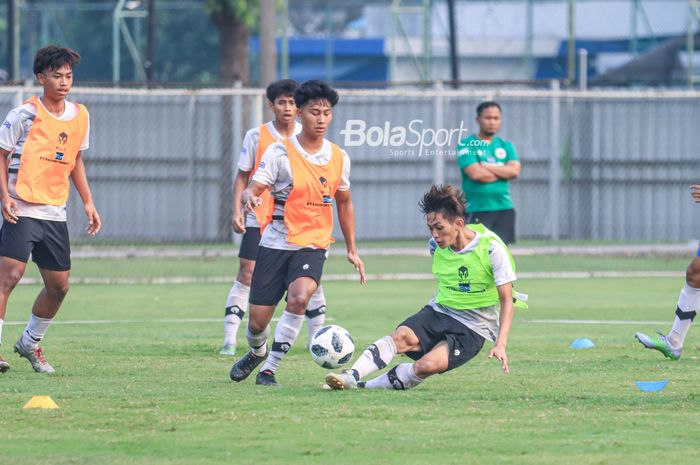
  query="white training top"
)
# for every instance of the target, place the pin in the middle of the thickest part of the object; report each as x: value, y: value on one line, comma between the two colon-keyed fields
x: 485, y: 320
x: 246, y: 160
x: 275, y: 172
x: 13, y: 133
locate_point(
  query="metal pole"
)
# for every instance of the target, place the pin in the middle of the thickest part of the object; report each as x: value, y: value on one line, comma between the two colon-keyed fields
x: 571, y: 45
x: 438, y: 160
x: 329, y: 43
x: 151, y: 39
x: 554, y: 168
x: 427, y: 74
x: 583, y: 69
x: 285, y: 41
x: 116, y: 64
x: 13, y: 44
x: 454, y: 64
x: 690, y: 40
x: 529, y: 33
x: 268, y: 51
x: 634, y: 46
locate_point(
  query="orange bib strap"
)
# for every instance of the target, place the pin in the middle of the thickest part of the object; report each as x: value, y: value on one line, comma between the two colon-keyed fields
x: 308, y: 213
x: 263, y: 213
x: 49, y: 155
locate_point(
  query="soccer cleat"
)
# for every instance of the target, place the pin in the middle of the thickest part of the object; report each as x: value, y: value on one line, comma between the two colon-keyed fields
x: 659, y: 343
x: 35, y: 357
x: 339, y: 382
x: 4, y: 366
x: 266, y: 378
x: 228, y: 350
x: 245, y: 366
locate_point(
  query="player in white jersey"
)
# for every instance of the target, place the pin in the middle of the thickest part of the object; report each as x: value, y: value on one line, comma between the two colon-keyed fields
x: 474, y: 302
x: 671, y: 344
x: 280, y: 96
x: 46, y: 137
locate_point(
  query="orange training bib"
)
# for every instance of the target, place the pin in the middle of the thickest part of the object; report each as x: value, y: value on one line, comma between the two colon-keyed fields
x: 49, y: 156
x: 308, y: 212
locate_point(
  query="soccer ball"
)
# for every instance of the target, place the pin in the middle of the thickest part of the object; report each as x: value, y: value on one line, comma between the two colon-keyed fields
x: 332, y: 346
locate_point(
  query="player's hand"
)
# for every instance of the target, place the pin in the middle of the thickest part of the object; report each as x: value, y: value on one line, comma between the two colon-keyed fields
x: 695, y: 192
x: 359, y: 265
x: 252, y: 203
x: 9, y: 209
x: 500, y: 353
x: 238, y: 222
x: 94, y: 221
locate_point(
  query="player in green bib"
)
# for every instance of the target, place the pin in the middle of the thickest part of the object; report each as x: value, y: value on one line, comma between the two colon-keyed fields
x: 487, y: 164
x: 474, y: 302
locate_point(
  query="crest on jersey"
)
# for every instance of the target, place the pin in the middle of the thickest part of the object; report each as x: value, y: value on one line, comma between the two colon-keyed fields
x: 62, y: 141
x: 464, y: 285
x: 326, y: 191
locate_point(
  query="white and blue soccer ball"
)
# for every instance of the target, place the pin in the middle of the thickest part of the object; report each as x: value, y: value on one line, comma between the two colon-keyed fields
x: 332, y: 346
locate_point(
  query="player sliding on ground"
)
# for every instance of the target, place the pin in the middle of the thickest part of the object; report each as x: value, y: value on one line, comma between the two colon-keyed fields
x: 475, y: 274
x: 280, y: 97
x: 46, y: 137
x: 304, y: 173
x: 671, y: 344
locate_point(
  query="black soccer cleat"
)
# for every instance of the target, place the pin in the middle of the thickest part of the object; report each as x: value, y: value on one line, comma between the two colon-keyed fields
x: 266, y: 378
x: 245, y: 366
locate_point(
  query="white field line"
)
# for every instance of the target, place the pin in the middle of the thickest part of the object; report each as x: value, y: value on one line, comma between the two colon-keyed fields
x: 130, y: 321
x: 597, y: 322
x: 370, y: 277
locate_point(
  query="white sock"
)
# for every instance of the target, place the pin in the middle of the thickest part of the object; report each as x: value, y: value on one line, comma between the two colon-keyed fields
x: 400, y: 377
x: 375, y: 357
x: 236, y: 304
x: 286, y: 333
x: 315, y: 312
x: 1, y: 322
x: 688, y: 306
x: 258, y: 342
x: 35, y: 330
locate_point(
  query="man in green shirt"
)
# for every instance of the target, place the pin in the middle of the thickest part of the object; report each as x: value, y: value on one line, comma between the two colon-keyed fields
x: 487, y: 163
x: 474, y: 302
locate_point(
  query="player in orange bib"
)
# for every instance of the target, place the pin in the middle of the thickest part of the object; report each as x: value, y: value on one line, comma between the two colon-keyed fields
x: 280, y: 97
x: 305, y: 174
x: 45, y: 138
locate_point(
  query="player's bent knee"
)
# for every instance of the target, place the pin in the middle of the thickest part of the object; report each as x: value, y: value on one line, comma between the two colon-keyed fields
x: 692, y: 274
x: 428, y: 367
x: 297, y: 302
x: 9, y: 280
x: 58, y: 290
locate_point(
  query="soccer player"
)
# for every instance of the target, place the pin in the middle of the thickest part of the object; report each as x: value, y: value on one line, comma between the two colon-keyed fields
x: 474, y: 301
x: 46, y: 137
x: 280, y: 96
x: 304, y: 173
x: 487, y: 163
x: 671, y: 344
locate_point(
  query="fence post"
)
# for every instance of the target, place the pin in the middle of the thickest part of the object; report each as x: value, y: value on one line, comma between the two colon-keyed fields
x: 438, y: 114
x: 554, y: 169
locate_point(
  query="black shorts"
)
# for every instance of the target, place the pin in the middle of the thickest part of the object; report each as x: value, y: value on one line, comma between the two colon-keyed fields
x: 502, y: 222
x: 249, y: 244
x: 47, y: 242
x: 276, y: 269
x: 432, y: 327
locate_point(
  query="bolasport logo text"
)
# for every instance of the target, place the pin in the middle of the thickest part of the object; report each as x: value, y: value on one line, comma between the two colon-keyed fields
x: 414, y: 139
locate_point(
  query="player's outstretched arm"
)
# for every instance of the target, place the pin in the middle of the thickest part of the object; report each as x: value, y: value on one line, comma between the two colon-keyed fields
x: 81, y: 185
x: 9, y: 206
x: 251, y: 196
x: 505, y: 295
x: 346, y: 218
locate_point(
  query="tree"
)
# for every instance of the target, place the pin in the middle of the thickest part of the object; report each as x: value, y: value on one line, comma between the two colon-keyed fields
x: 233, y: 19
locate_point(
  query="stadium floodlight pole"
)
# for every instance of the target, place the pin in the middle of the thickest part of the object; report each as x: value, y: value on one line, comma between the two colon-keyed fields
x: 693, y: 15
x: 151, y: 41
x: 328, y: 18
x: 454, y: 64
x: 284, y: 52
x: 571, y: 45
x: 116, y: 64
x: 13, y: 48
x: 267, y: 52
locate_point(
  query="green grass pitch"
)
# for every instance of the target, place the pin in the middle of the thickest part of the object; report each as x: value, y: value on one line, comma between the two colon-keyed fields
x: 149, y: 389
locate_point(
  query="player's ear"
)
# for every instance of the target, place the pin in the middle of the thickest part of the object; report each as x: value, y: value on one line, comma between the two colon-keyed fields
x: 270, y: 104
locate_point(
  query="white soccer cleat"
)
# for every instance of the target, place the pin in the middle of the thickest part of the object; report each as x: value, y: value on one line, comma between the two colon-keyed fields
x: 35, y: 357
x: 659, y: 343
x: 342, y: 381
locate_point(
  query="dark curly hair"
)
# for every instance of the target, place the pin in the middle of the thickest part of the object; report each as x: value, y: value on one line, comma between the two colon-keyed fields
x: 279, y: 88
x: 445, y: 199
x: 311, y: 91
x: 51, y: 58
